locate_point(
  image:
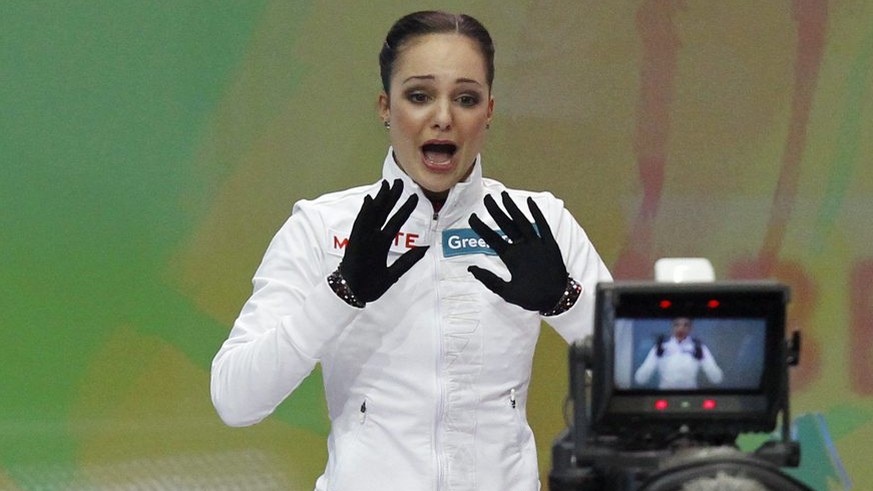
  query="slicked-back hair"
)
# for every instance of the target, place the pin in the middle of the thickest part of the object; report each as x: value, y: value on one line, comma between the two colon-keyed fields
x: 433, y: 22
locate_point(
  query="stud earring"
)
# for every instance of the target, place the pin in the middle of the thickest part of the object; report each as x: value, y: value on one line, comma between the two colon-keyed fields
x: 387, y: 124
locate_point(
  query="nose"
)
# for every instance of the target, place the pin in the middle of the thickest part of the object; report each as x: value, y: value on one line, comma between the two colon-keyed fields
x: 442, y: 117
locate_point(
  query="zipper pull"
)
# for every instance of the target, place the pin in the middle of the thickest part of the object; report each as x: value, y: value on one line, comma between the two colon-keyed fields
x: 512, y: 398
x: 364, y: 411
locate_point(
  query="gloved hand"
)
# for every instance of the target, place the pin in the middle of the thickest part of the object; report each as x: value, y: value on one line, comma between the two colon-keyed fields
x: 539, y: 276
x: 364, y: 265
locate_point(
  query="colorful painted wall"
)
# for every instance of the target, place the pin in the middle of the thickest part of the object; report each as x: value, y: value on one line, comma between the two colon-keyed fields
x: 149, y: 150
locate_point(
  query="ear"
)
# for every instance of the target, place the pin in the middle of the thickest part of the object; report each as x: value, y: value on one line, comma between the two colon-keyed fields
x: 383, y: 106
x: 490, y: 109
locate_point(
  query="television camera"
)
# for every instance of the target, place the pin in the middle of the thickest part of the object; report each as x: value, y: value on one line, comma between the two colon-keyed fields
x: 649, y: 411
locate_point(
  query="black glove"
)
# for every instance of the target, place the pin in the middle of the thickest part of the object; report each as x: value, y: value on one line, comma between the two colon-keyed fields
x: 364, y: 264
x: 539, y: 276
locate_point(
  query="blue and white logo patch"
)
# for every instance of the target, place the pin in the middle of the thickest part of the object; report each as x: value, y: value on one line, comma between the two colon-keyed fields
x: 463, y: 241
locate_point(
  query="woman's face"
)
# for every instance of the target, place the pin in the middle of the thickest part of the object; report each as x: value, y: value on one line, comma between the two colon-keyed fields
x: 439, y: 107
x: 681, y: 328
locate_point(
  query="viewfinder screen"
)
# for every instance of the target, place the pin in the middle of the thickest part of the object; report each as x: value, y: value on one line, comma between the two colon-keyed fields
x: 689, y: 354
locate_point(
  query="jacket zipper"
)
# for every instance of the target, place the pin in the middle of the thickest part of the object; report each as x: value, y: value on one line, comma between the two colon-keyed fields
x: 439, y: 366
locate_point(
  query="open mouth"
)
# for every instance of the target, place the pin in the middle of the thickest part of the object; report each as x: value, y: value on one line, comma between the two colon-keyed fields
x: 438, y: 153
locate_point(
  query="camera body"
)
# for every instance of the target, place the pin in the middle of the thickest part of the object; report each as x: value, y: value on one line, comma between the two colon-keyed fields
x: 676, y: 369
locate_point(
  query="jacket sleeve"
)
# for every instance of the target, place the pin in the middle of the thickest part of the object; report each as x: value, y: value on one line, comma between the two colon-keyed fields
x: 282, y: 329
x: 710, y: 367
x: 647, y: 369
x: 584, y: 265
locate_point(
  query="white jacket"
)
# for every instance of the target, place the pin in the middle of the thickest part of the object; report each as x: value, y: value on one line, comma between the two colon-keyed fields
x: 677, y: 366
x: 426, y: 387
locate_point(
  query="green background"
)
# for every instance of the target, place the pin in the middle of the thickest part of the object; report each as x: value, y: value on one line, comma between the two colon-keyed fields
x: 149, y: 150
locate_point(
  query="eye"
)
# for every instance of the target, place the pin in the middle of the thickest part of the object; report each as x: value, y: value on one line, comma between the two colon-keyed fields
x: 417, y: 97
x: 468, y: 100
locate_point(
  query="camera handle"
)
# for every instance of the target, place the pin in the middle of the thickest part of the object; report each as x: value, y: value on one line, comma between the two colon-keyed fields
x: 786, y: 452
x: 573, y: 459
x: 580, y: 359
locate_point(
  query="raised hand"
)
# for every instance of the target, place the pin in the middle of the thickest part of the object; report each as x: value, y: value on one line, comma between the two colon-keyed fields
x: 539, y: 276
x: 364, y: 265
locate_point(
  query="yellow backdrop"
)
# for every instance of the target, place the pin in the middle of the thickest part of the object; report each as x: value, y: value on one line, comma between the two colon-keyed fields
x: 149, y: 150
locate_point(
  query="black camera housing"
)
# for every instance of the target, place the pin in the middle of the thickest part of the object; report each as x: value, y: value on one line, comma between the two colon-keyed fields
x: 739, y: 316
x: 626, y: 436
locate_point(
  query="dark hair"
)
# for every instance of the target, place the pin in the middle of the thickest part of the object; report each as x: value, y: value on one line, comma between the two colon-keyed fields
x: 433, y: 22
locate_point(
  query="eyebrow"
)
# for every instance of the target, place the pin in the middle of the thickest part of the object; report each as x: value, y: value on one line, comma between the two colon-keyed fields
x: 432, y: 77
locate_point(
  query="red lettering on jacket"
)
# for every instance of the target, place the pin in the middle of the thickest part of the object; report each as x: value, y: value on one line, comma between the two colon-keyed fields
x: 410, y: 240
x: 407, y: 239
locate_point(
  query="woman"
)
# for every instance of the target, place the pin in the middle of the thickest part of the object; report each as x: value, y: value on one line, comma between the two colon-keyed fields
x: 425, y: 370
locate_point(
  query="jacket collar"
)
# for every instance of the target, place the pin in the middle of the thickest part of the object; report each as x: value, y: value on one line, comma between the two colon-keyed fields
x: 464, y: 197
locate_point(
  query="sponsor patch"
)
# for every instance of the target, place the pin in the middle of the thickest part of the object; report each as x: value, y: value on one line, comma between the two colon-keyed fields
x: 403, y: 241
x: 463, y: 241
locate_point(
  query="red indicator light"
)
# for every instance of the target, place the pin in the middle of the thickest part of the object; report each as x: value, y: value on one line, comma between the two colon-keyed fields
x: 661, y: 404
x: 709, y: 404
x: 713, y: 304
x: 665, y: 304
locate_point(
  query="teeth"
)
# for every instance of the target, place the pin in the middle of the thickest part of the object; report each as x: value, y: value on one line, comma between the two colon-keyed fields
x: 437, y: 155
